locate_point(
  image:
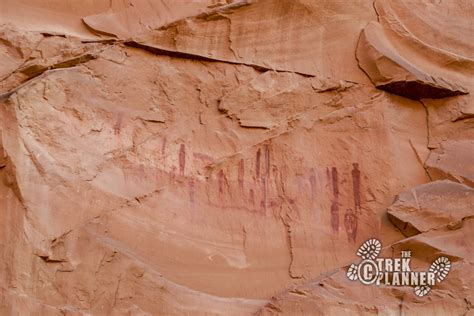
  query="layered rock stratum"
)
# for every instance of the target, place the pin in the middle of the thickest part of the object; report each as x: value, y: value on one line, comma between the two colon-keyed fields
x: 230, y: 157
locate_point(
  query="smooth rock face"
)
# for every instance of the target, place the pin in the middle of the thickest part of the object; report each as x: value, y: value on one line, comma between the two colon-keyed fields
x: 417, y: 67
x: 230, y: 157
x: 431, y: 206
x: 453, y: 160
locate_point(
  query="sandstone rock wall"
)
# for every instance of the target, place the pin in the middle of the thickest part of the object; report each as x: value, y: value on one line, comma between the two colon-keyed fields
x: 230, y: 157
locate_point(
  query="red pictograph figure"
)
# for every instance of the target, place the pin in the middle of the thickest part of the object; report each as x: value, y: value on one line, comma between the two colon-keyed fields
x: 241, y: 174
x: 312, y: 182
x: 118, y: 123
x: 356, y: 185
x: 263, y: 203
x: 266, y: 175
x: 182, y: 159
x: 350, y: 224
x: 335, y: 200
x: 252, y: 197
x: 334, y: 216
x: 163, y: 146
x: 192, y: 190
x: 257, y: 163
x: 267, y: 160
x: 222, y: 181
x: 335, y: 182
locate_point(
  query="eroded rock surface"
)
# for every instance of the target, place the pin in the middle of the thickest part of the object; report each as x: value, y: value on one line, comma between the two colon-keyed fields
x: 439, y: 219
x: 401, y: 59
x: 229, y: 157
x: 432, y: 206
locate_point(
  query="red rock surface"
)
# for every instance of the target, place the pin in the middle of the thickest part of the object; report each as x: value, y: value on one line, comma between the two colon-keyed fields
x: 230, y: 157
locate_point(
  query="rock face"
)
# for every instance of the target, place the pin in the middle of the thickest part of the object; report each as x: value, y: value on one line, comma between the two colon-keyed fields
x: 432, y: 206
x: 438, y: 218
x: 230, y: 157
x: 400, y: 60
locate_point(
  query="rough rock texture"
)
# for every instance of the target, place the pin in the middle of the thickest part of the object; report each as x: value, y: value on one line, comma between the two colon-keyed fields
x: 230, y: 157
x: 438, y: 219
x: 432, y: 206
x: 413, y: 51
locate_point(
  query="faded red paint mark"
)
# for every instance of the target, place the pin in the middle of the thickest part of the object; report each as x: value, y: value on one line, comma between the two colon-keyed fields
x: 191, y: 190
x: 335, y: 182
x: 334, y: 216
x: 356, y: 185
x: 173, y: 172
x: 257, y: 163
x: 163, y: 145
x: 273, y: 204
x: 252, y: 197
x: 265, y: 195
x: 241, y: 174
x: 265, y: 176
x: 118, y: 124
x: 312, y: 182
x: 335, y: 201
x: 350, y: 224
x: 182, y: 159
x: 267, y: 160
x: 222, y: 181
